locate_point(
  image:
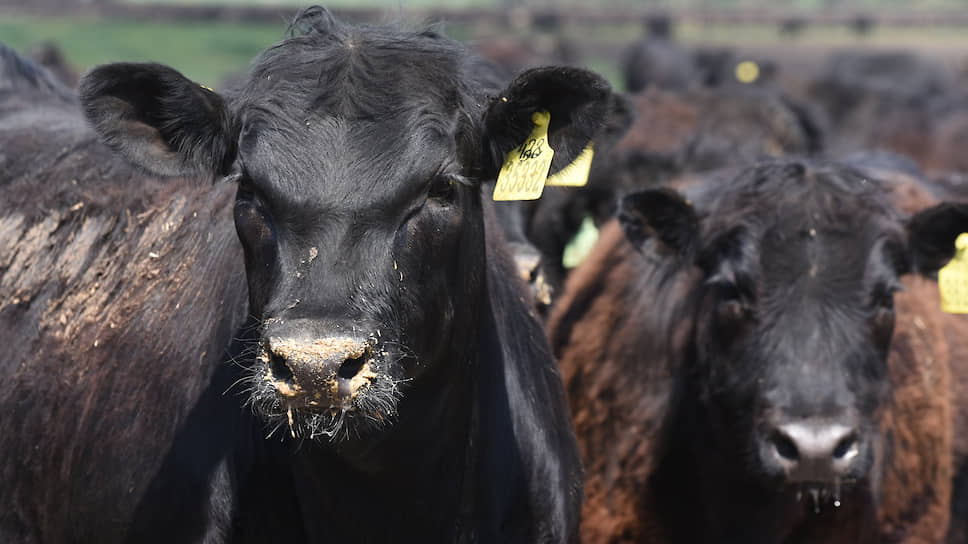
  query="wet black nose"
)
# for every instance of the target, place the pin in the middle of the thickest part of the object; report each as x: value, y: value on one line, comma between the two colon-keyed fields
x: 327, y: 368
x: 813, y: 451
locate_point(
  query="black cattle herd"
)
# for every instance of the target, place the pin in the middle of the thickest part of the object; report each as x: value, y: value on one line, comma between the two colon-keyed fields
x: 291, y: 310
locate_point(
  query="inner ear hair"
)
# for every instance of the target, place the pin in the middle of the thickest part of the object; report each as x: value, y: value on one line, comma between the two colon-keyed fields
x: 662, y: 215
x: 577, y: 100
x: 158, y: 119
x: 932, y: 234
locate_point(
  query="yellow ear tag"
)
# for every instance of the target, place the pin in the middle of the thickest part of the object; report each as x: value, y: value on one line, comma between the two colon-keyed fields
x: 576, y: 173
x: 953, y: 279
x: 526, y: 168
x: 747, y: 71
x: 581, y: 245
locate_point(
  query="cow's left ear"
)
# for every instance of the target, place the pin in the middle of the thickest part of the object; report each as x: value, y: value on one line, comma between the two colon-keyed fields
x: 158, y: 119
x: 932, y: 234
x: 661, y: 215
x: 577, y: 100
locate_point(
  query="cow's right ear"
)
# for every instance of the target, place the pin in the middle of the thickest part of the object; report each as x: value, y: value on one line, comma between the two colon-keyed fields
x: 932, y: 234
x: 661, y: 215
x: 158, y: 119
x: 577, y: 100
x: 618, y: 120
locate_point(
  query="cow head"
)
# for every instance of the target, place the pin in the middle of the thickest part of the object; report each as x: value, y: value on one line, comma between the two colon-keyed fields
x: 792, y: 268
x: 359, y: 155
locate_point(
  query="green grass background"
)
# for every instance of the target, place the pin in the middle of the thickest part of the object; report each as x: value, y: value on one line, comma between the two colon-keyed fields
x: 207, y: 51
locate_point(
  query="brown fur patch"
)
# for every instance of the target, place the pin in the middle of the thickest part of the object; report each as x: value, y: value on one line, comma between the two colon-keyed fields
x: 618, y: 399
x: 600, y: 357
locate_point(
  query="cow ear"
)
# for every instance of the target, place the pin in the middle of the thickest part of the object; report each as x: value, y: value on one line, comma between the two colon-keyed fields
x: 158, y: 119
x: 661, y: 215
x: 577, y: 100
x: 932, y: 234
x: 618, y: 120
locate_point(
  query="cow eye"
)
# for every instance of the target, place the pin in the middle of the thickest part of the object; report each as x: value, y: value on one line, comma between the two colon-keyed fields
x: 731, y: 316
x: 251, y: 219
x: 883, y: 298
x: 442, y: 188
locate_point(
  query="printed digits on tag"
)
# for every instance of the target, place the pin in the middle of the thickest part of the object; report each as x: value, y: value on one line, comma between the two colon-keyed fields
x: 534, y: 175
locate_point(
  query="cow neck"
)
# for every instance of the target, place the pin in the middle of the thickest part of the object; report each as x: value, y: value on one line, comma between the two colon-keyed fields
x: 423, y: 486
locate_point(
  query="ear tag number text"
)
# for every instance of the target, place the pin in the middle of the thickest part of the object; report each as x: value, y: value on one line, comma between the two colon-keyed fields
x: 526, y: 168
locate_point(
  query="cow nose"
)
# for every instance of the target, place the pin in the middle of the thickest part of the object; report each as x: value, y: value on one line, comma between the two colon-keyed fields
x: 316, y: 367
x: 811, y: 451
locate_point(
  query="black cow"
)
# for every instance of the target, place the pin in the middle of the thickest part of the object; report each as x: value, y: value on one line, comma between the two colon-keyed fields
x: 883, y: 99
x: 660, y: 62
x: 738, y: 371
x: 391, y: 337
x: 119, y: 296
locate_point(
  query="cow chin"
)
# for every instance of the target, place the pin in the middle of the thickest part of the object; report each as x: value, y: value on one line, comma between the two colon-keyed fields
x: 817, y: 497
x: 826, y: 495
x: 819, y: 490
x: 340, y: 410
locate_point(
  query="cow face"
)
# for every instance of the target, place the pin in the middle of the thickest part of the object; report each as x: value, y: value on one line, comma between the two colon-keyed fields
x: 792, y: 311
x: 359, y: 156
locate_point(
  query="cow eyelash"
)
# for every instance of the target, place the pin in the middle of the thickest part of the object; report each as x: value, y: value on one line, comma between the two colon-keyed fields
x: 442, y: 187
x: 883, y: 295
x: 234, y: 177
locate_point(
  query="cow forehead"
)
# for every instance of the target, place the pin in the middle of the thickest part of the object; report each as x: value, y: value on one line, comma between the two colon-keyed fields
x: 326, y: 117
x: 359, y: 74
x: 832, y: 255
x: 332, y: 160
x: 824, y: 236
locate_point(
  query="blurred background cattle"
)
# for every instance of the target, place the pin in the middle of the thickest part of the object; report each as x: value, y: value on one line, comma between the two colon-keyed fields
x: 709, y: 87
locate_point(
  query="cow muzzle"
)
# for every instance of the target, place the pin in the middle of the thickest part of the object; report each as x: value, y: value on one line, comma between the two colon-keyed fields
x: 815, y: 451
x: 318, y: 373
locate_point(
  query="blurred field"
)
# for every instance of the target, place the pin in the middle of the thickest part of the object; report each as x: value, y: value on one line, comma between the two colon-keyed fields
x: 209, y: 51
x: 205, y: 52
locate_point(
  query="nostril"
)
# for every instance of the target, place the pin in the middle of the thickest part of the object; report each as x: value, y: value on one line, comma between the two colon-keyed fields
x: 279, y: 370
x: 784, y: 446
x: 845, y: 446
x: 351, y: 367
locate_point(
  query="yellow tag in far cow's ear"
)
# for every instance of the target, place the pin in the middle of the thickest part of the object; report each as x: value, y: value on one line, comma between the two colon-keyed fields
x: 747, y: 71
x: 953, y: 279
x: 576, y: 173
x: 526, y: 168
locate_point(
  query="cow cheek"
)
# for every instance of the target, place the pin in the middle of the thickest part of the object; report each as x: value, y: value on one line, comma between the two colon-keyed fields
x: 882, y: 329
x: 258, y: 240
x: 425, y: 249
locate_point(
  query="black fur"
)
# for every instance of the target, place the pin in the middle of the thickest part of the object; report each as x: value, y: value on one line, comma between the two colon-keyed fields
x: 358, y: 155
x: 787, y: 300
x: 663, y: 215
x: 119, y: 295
